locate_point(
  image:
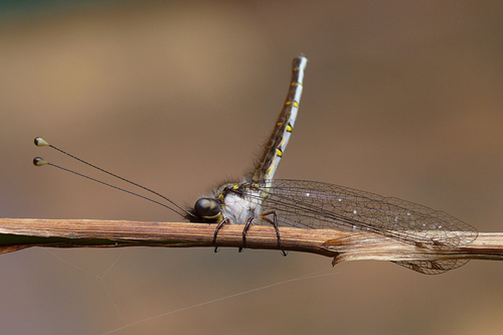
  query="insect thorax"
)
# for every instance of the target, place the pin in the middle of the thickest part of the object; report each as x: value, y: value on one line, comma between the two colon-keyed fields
x: 240, y: 202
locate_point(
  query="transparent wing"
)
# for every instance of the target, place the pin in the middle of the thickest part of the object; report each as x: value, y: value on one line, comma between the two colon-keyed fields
x: 433, y: 267
x: 308, y: 204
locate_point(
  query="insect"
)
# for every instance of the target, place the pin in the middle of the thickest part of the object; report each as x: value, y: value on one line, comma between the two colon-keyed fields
x: 261, y: 199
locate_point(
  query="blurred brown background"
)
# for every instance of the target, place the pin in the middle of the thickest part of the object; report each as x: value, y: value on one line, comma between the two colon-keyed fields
x: 402, y: 98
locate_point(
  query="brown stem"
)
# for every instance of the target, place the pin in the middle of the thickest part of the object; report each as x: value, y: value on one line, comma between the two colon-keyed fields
x: 16, y: 234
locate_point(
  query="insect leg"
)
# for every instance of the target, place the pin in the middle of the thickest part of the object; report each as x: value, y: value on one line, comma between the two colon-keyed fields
x: 274, y: 223
x: 245, y: 230
x: 220, y: 224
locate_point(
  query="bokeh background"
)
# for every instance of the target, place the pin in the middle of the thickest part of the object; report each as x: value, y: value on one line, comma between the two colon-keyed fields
x: 402, y: 98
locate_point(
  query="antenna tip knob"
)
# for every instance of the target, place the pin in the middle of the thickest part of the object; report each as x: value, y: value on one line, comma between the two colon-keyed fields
x: 39, y: 161
x: 40, y: 142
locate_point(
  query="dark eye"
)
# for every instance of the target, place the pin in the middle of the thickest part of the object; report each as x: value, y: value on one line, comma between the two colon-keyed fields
x: 207, y: 208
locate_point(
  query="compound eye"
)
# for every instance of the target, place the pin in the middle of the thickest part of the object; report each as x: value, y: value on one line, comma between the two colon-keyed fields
x: 207, y: 208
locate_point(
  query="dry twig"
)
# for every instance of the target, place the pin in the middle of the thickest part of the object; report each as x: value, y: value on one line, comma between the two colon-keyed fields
x: 16, y: 234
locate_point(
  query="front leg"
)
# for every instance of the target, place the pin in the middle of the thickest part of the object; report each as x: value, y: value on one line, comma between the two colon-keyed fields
x: 220, y: 224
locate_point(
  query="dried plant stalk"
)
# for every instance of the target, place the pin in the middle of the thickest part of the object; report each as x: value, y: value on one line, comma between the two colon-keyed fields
x: 16, y: 234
